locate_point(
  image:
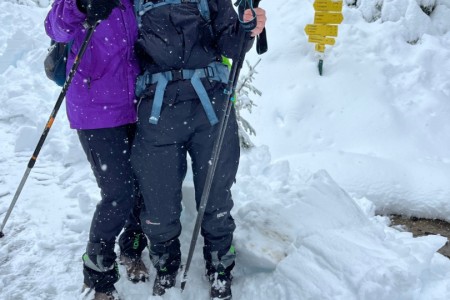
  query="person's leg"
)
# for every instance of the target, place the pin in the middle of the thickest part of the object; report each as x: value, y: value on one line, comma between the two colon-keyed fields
x: 218, y: 224
x: 132, y: 242
x: 159, y: 161
x: 108, y: 151
x: 161, y: 177
x: 166, y: 258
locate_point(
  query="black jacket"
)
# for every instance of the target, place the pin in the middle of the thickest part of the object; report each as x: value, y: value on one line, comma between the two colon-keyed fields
x: 175, y: 36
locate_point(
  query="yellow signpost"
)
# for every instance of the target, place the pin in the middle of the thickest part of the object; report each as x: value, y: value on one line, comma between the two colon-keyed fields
x: 328, y: 14
x: 318, y: 39
x: 327, y: 5
x: 323, y: 30
x: 328, y: 18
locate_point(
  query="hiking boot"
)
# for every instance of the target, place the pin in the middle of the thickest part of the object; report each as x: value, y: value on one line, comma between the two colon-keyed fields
x: 163, y: 281
x: 101, y: 279
x: 218, y: 272
x: 166, y: 258
x: 136, y: 269
x: 111, y: 295
x: 220, y: 285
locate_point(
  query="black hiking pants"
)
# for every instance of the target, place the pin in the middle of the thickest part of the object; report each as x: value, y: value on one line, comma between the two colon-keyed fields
x: 159, y: 159
x: 108, y: 152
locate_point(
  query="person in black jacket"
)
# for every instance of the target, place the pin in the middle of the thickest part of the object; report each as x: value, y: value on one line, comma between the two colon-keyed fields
x: 182, y: 99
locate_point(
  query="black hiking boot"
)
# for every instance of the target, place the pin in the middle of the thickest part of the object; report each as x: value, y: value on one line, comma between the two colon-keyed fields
x: 166, y: 258
x: 163, y: 281
x: 101, y: 280
x: 110, y: 295
x: 132, y: 243
x: 113, y: 295
x: 220, y: 285
x: 218, y: 272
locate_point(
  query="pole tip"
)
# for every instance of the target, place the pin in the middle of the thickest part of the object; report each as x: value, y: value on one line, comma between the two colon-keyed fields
x: 1, y: 234
x: 183, y: 284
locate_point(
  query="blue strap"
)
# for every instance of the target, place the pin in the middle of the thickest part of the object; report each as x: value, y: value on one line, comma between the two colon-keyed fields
x: 159, y: 95
x: 214, y: 71
x: 204, y: 98
x: 203, y: 7
x: 137, y: 9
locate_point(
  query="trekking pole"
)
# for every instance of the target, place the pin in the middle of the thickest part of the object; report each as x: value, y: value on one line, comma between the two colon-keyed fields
x: 229, y: 93
x: 49, y: 124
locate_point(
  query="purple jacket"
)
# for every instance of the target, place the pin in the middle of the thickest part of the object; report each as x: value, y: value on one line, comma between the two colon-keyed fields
x: 101, y: 94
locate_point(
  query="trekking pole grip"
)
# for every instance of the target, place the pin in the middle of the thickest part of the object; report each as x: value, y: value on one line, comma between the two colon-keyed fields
x: 261, y: 39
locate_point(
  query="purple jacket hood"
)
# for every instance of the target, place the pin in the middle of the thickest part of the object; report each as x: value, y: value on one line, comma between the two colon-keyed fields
x: 101, y: 94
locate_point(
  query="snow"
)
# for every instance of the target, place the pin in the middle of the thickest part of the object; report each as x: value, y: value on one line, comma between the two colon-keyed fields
x: 370, y: 136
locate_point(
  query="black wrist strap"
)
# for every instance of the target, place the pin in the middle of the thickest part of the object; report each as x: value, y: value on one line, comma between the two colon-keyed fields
x: 261, y: 39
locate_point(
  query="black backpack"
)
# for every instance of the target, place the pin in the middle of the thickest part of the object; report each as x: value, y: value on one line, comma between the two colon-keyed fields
x: 56, y: 60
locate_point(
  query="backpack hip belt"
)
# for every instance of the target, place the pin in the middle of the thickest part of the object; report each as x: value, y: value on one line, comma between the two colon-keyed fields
x: 215, y: 71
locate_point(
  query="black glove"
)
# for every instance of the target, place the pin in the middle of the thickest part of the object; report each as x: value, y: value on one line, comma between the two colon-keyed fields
x: 97, y: 10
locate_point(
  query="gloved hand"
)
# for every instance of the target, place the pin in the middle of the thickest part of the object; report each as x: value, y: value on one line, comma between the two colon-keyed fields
x: 97, y: 10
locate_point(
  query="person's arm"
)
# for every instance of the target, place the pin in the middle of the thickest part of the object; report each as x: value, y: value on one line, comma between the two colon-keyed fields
x: 64, y: 21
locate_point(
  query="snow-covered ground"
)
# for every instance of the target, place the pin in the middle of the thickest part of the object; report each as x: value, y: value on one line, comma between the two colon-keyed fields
x: 371, y: 135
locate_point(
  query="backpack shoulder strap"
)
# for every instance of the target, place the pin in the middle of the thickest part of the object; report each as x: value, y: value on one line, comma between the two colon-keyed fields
x: 203, y: 7
x: 137, y: 10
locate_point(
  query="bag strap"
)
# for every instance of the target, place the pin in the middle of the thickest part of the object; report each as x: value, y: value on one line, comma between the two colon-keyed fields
x: 215, y: 71
x: 203, y: 7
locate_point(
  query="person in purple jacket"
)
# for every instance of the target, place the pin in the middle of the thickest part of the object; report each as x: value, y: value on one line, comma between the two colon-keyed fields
x: 101, y: 107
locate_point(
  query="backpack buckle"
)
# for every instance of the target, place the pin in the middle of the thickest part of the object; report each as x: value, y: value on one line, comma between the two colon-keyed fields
x: 209, y: 72
x: 177, y: 75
